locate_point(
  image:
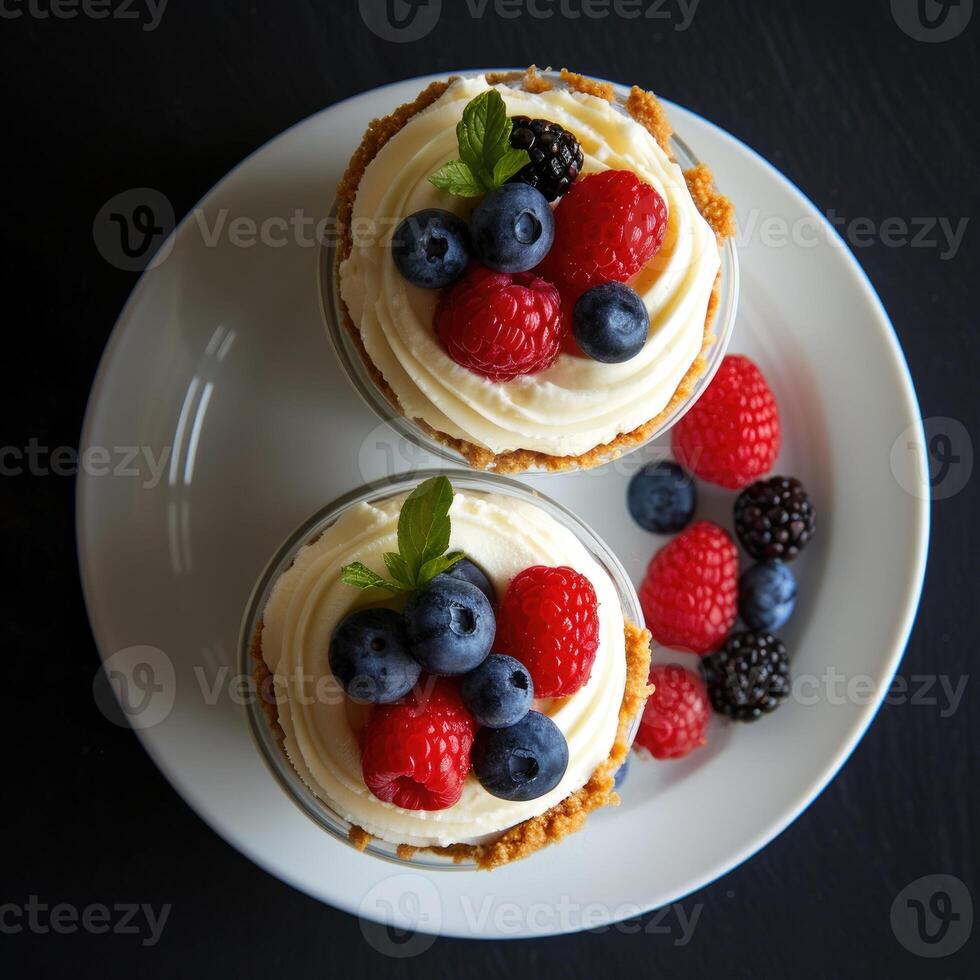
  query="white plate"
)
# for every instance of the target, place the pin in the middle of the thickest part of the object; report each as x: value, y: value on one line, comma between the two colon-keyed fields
x: 221, y: 354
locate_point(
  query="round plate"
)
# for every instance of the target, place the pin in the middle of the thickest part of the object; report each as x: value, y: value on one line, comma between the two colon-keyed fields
x: 219, y: 391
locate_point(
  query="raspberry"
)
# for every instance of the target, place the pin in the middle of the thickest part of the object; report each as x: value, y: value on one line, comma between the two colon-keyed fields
x: 500, y: 324
x: 732, y: 435
x: 607, y: 227
x: 416, y: 753
x: 690, y: 592
x: 549, y: 621
x: 676, y: 714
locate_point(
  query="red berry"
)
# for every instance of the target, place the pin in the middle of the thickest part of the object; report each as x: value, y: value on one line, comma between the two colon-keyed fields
x: 549, y: 620
x: 607, y: 227
x: 676, y: 714
x: 690, y: 592
x: 501, y: 324
x: 416, y: 753
x: 732, y: 435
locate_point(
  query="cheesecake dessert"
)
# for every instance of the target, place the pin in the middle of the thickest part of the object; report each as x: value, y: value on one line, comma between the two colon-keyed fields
x: 452, y: 671
x: 527, y: 273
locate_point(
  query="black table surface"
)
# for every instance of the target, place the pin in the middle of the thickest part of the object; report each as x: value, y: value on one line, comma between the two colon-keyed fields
x: 868, y: 107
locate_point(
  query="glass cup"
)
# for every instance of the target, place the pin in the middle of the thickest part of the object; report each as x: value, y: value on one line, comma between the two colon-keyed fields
x: 269, y: 746
x: 352, y: 362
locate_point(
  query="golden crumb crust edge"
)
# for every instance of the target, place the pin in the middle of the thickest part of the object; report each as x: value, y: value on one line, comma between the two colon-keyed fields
x: 532, y: 835
x: 716, y: 209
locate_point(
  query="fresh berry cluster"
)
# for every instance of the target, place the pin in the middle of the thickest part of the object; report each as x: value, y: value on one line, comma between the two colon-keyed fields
x: 521, y: 278
x: 692, y: 595
x: 443, y: 703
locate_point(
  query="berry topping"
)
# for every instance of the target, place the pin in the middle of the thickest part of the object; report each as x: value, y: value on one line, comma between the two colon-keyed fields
x: 499, y: 692
x: 556, y: 157
x: 369, y: 656
x: 523, y: 761
x: 501, y: 325
x: 676, y: 714
x: 774, y: 518
x: 431, y: 248
x: 731, y: 436
x: 607, y: 227
x: 689, y: 594
x: 450, y: 626
x: 512, y: 228
x: 470, y: 572
x: 766, y: 595
x: 416, y: 754
x: 549, y: 620
x: 748, y: 677
x: 662, y: 497
x: 610, y: 323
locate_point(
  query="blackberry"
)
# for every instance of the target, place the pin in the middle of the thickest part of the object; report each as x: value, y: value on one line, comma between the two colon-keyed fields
x: 556, y: 157
x: 748, y: 677
x: 774, y: 518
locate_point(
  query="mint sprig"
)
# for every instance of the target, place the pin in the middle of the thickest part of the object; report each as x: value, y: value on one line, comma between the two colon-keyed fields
x: 486, y: 158
x: 424, y: 529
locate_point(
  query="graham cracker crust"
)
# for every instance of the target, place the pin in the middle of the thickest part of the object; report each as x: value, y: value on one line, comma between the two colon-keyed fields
x: 716, y: 209
x: 551, y: 826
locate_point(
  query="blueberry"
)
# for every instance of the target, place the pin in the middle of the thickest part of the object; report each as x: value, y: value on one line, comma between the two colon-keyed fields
x: 610, y: 322
x: 621, y: 774
x: 431, y: 248
x: 512, y: 228
x: 369, y: 656
x: 521, y: 762
x: 662, y: 497
x: 450, y: 626
x: 499, y: 692
x: 470, y: 572
x: 766, y: 596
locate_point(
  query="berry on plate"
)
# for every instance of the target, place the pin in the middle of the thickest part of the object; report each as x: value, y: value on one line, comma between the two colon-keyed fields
x: 549, y: 620
x: 556, y: 157
x: 607, y: 227
x: 431, y: 248
x: 610, y: 323
x: 731, y: 436
x: 470, y: 572
x: 689, y: 593
x: 416, y: 754
x: 501, y: 325
x: 499, y: 692
x: 748, y: 677
x: 450, y: 626
x: 512, y: 228
x: 766, y: 595
x: 774, y: 518
x: 662, y: 498
x: 523, y: 761
x: 676, y: 714
x: 369, y: 656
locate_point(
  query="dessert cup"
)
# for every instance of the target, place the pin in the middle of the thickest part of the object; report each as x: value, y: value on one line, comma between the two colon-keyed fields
x: 371, y: 383
x: 511, y: 842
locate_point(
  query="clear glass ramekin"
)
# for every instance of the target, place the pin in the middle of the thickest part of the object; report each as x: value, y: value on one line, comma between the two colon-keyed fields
x: 320, y: 810
x: 352, y: 361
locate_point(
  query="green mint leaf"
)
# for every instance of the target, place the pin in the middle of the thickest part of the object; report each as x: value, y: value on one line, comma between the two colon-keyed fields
x: 396, y: 566
x: 360, y: 576
x: 436, y: 566
x: 423, y: 525
x: 457, y: 178
x: 509, y: 164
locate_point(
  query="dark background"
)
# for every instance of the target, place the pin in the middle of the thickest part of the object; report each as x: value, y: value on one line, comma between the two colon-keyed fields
x: 867, y: 120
